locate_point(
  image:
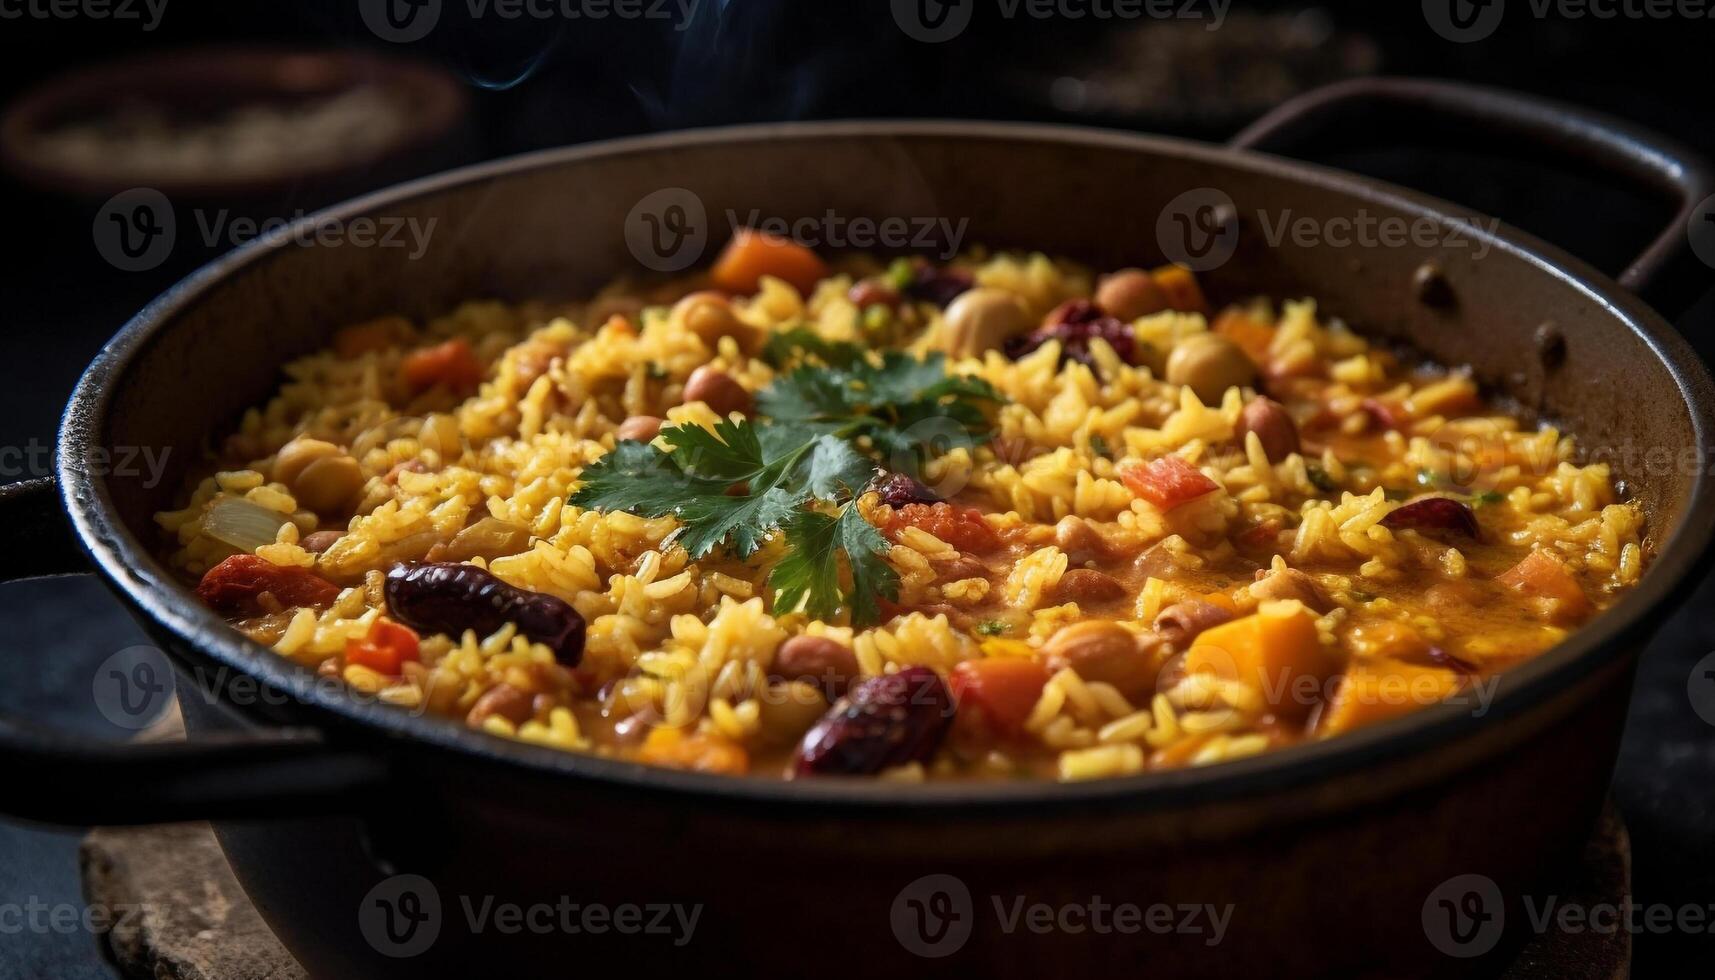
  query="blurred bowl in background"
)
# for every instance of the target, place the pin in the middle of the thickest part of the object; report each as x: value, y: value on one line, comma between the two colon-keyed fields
x: 226, y: 121
x: 1179, y: 75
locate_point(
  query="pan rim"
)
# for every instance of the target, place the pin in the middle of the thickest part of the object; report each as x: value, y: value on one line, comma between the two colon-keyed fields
x: 128, y: 564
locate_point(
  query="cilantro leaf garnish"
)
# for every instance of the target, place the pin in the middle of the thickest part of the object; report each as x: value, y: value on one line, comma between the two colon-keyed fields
x: 799, y: 470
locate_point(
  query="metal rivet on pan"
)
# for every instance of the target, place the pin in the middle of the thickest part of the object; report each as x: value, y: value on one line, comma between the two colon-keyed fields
x: 1431, y: 285
x: 1550, y: 345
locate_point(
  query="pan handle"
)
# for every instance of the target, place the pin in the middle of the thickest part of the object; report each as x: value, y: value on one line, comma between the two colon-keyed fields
x: 1667, y: 274
x: 56, y: 777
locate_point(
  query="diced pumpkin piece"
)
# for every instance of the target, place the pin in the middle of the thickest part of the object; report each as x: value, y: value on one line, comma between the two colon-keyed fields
x: 676, y: 748
x: 753, y: 254
x: 1253, y: 336
x: 1376, y: 690
x: 1181, y: 289
x: 1541, y: 576
x: 384, y: 649
x: 1168, y: 482
x: 1003, y: 689
x: 1276, y: 651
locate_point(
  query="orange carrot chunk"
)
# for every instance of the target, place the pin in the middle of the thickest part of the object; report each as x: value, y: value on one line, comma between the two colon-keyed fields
x: 1542, y: 577
x: 1375, y: 690
x: 1003, y: 689
x: 1277, y: 652
x: 753, y: 254
x: 384, y: 649
x: 1168, y: 482
x: 452, y: 365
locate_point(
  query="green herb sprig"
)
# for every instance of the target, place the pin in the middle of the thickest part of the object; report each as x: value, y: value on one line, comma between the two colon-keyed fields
x: 799, y: 470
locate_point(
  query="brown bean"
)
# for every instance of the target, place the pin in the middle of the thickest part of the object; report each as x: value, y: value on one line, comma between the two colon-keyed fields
x: 710, y: 316
x: 1087, y: 585
x: 1273, y: 426
x: 718, y: 390
x: 1290, y: 583
x: 1106, y: 652
x: 505, y: 701
x: 870, y: 292
x: 317, y: 542
x: 1181, y: 622
x: 640, y: 428
x: 1209, y: 364
x: 826, y: 663
x: 963, y: 567
x: 1129, y: 294
x: 1081, y: 542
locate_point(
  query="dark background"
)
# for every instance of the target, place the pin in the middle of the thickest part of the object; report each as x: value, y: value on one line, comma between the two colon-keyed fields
x: 535, y: 83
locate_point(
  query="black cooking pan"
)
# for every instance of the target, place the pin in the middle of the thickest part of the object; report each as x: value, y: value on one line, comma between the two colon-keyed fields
x: 1332, y: 857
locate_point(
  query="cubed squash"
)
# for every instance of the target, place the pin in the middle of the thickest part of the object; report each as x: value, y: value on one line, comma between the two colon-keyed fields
x: 1376, y: 690
x: 1276, y: 651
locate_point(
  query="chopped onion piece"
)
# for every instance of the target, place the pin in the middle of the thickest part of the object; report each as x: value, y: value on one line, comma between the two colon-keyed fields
x: 242, y: 524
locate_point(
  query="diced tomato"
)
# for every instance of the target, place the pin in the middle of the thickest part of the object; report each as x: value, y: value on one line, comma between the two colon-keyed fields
x: 961, y: 527
x: 1003, y: 689
x: 235, y: 587
x: 1168, y: 482
x: 1542, y: 576
x: 452, y: 365
x: 384, y: 649
x: 753, y: 254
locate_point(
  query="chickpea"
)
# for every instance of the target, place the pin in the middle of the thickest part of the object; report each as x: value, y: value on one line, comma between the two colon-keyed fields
x: 1105, y: 652
x: 981, y: 319
x: 1209, y: 364
x: 1273, y: 426
x: 641, y: 428
x: 1129, y: 294
x: 297, y: 454
x: 818, y: 660
x: 329, y: 485
x: 710, y: 316
x: 718, y: 390
x: 786, y: 711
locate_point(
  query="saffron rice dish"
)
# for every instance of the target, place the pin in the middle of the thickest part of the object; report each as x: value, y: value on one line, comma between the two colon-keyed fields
x: 811, y: 517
